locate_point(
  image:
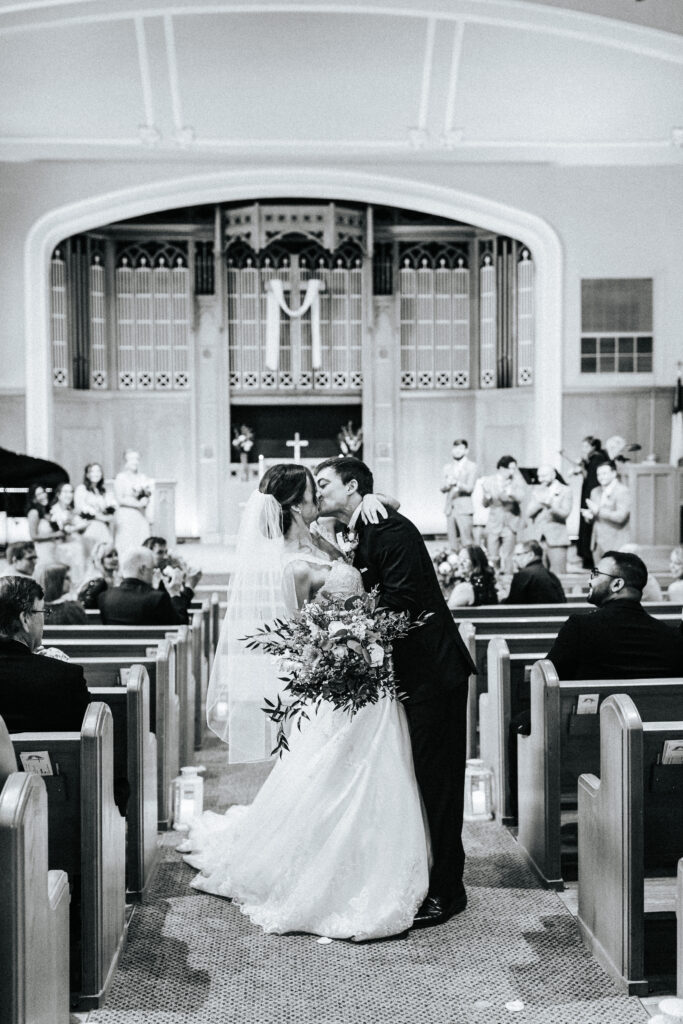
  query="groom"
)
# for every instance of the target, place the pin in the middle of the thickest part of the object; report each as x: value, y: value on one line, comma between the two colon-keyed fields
x: 432, y: 666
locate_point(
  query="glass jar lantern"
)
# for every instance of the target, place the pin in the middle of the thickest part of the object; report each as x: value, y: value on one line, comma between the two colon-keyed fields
x: 478, y: 791
x: 187, y: 796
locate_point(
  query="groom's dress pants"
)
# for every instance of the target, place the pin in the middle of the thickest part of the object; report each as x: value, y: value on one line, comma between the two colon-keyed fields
x: 438, y: 738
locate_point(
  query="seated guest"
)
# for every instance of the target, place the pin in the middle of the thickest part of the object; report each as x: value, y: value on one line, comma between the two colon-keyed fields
x: 172, y: 574
x: 620, y: 640
x: 135, y: 602
x: 103, y: 573
x: 37, y: 694
x: 60, y: 608
x: 532, y: 583
x: 675, y: 591
x: 477, y: 581
x: 21, y: 559
x: 547, y: 511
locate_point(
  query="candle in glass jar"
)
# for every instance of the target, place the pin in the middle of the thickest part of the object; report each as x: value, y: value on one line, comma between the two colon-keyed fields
x: 478, y: 801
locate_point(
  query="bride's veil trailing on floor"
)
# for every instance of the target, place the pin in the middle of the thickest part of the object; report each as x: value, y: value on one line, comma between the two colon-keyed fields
x: 241, y: 678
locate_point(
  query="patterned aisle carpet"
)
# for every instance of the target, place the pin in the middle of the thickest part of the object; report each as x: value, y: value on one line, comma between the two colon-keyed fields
x: 193, y: 958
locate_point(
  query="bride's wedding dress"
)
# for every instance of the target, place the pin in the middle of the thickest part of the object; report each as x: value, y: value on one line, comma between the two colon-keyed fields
x: 334, y: 843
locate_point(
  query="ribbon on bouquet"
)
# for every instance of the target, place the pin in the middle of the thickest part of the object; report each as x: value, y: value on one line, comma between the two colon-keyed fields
x: 275, y: 301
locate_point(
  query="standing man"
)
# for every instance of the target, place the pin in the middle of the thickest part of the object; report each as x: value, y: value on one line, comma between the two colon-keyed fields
x: 458, y: 479
x: 432, y: 668
x: 503, y: 495
x: 609, y: 509
x: 548, y: 511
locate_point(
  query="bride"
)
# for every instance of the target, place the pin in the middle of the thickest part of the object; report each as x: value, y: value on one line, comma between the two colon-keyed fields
x: 334, y: 843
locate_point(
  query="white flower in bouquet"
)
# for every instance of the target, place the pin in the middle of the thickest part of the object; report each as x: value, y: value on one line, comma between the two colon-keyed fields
x: 452, y: 558
x: 376, y: 654
x: 340, y: 652
x: 337, y: 627
x: 445, y: 568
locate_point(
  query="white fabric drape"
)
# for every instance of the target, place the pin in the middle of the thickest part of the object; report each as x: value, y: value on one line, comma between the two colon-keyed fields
x: 275, y: 301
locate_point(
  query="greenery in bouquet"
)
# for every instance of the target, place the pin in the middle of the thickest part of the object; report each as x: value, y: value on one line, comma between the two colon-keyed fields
x: 446, y: 564
x: 335, y: 650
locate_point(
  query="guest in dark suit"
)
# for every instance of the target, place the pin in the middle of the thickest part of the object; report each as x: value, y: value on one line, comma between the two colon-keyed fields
x: 620, y: 639
x: 533, y: 583
x: 432, y: 667
x: 37, y: 694
x: 173, y: 575
x: 135, y: 602
x: 592, y: 456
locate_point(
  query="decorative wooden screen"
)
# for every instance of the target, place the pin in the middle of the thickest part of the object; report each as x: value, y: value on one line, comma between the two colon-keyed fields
x: 58, y: 321
x: 340, y: 318
x: 488, y: 322
x: 434, y: 287
x: 526, y: 324
x: 98, y: 324
x: 153, y: 316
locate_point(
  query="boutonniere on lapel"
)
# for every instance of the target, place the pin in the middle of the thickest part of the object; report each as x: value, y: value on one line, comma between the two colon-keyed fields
x: 347, y: 542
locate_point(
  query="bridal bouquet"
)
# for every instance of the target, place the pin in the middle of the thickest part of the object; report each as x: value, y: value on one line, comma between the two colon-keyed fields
x: 333, y: 649
x: 350, y: 441
x: 243, y: 438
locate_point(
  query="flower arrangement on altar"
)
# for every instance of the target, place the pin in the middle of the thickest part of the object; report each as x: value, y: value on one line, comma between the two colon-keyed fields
x: 333, y: 649
x: 350, y: 441
x: 243, y: 439
x: 446, y: 564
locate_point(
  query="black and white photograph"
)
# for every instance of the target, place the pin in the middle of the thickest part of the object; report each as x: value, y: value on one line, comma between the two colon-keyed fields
x: 341, y: 512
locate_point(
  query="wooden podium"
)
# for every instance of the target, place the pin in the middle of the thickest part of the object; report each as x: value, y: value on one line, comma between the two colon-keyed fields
x: 656, y: 500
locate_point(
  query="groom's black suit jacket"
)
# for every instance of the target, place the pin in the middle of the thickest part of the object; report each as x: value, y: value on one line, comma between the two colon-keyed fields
x: 392, y: 555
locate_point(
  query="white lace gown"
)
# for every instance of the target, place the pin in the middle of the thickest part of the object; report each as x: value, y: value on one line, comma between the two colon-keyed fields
x: 335, y: 842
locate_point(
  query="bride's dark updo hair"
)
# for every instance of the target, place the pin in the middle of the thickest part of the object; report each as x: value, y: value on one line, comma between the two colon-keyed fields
x: 287, y: 483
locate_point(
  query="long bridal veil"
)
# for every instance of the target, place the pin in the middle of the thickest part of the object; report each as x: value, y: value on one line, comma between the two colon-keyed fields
x: 241, y: 678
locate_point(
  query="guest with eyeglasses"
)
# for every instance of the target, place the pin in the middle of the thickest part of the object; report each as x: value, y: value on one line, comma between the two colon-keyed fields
x: 37, y: 694
x: 619, y: 640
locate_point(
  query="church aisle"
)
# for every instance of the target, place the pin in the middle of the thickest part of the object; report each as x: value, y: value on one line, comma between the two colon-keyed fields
x: 193, y: 958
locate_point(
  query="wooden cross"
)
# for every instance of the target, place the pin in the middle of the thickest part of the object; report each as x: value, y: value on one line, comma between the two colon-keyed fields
x: 297, y: 444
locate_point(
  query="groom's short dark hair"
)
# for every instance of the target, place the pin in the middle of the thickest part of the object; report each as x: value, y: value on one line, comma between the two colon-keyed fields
x: 348, y: 468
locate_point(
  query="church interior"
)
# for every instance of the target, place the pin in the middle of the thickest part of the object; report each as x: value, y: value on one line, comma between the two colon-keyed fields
x: 238, y: 234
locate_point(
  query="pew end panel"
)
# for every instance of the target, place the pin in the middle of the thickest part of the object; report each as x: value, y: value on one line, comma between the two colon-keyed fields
x: 627, y: 836
x: 34, y: 910
x: 679, y: 930
x: 144, y: 852
x: 538, y: 779
x: 87, y: 838
x: 494, y: 723
x: 160, y: 663
x: 8, y: 759
x: 103, y: 866
x: 137, y: 761
x: 467, y: 632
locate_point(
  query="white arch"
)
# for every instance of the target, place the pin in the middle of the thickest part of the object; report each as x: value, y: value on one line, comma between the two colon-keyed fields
x: 261, y: 183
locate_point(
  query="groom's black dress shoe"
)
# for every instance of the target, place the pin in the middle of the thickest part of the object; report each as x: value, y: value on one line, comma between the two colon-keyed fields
x: 434, y: 910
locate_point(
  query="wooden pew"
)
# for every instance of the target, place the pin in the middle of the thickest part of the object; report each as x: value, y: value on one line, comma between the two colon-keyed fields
x: 507, y: 679
x: 34, y: 903
x: 159, y: 664
x: 679, y: 931
x: 561, y: 746
x: 86, y: 838
x: 549, y: 611
x: 630, y: 839
x: 132, y: 642
x: 467, y: 633
x: 135, y: 757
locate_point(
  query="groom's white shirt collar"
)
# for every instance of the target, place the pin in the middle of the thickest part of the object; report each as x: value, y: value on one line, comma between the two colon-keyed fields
x: 355, y: 517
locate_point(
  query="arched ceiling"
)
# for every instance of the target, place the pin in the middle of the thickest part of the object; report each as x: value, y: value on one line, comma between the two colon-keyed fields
x: 579, y: 81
